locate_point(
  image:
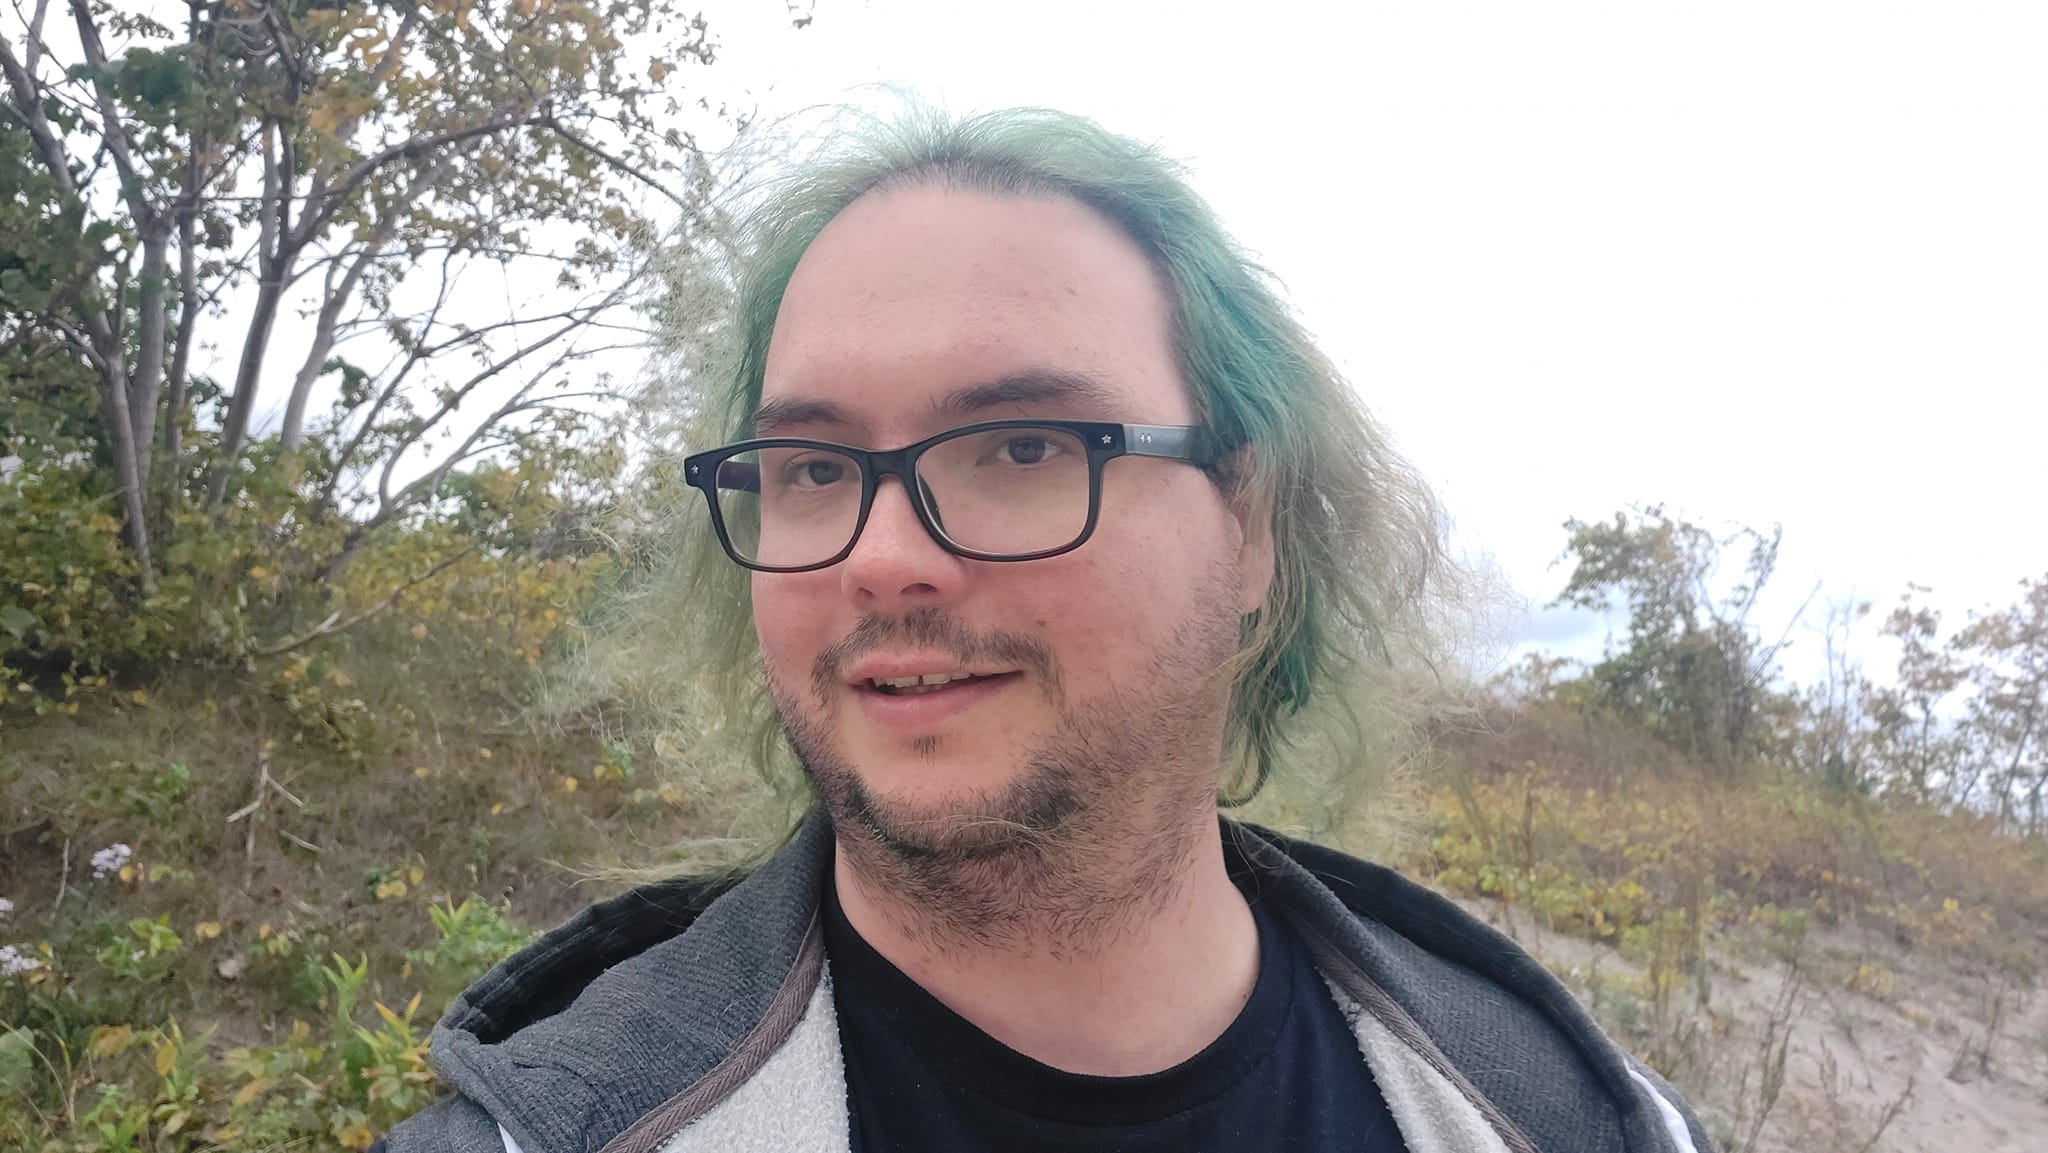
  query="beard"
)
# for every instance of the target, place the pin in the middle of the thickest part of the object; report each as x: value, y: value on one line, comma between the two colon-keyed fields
x: 1093, y: 829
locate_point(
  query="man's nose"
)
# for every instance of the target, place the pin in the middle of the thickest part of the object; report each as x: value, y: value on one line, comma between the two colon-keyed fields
x: 896, y: 564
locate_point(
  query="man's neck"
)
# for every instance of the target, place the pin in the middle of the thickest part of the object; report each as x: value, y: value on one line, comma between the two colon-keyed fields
x: 1149, y: 992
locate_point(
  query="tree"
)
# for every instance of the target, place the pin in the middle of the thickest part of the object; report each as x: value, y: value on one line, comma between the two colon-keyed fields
x: 1692, y: 670
x: 1832, y: 731
x: 365, y: 161
x: 1917, y: 753
x: 2008, y: 713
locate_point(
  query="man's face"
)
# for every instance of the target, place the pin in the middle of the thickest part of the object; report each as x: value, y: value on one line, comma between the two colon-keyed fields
x: 1096, y: 679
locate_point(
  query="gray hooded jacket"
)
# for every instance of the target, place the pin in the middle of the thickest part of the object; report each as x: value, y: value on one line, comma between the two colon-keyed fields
x: 683, y: 1016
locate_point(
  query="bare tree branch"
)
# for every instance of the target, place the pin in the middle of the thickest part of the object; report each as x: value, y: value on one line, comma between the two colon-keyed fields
x: 111, y: 132
x: 432, y: 480
x: 333, y: 624
x: 28, y: 108
x: 633, y: 172
x: 338, y: 296
x: 362, y: 170
x: 35, y: 35
x: 456, y: 396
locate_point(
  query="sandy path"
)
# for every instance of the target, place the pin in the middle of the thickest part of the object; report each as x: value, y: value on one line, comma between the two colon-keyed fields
x: 1851, y: 1054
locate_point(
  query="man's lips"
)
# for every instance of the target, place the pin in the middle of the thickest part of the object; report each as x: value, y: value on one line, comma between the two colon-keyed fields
x: 916, y: 671
x: 911, y: 711
x: 909, y: 686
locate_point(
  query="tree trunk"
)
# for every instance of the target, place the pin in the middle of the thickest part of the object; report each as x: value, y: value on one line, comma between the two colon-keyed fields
x: 121, y: 433
x: 181, y: 357
x: 315, y: 363
x: 248, y: 375
x: 151, y: 332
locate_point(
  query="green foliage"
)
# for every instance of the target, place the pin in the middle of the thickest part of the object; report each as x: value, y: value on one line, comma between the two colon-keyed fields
x: 146, y: 167
x: 124, y: 790
x: 472, y: 937
x: 1658, y: 867
x: 144, y: 953
x: 80, y: 1081
x: 1693, y: 669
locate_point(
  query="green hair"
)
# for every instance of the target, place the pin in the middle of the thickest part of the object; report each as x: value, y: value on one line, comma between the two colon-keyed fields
x: 1360, y: 564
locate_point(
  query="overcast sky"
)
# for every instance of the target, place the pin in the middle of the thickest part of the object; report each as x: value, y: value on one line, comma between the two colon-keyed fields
x: 1772, y: 262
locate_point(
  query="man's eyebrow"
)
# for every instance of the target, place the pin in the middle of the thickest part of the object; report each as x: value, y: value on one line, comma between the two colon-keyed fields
x: 773, y: 415
x: 1031, y: 386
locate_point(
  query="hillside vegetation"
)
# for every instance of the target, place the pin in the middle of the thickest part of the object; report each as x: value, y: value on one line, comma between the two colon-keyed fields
x: 239, y: 899
x: 1818, y: 969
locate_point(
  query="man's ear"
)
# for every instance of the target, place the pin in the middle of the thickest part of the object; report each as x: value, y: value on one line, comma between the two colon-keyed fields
x: 1250, y: 498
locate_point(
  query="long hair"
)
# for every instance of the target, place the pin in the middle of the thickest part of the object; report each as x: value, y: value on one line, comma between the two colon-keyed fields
x: 1331, y: 675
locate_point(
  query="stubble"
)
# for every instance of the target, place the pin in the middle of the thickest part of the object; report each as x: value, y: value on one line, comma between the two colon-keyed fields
x: 1091, y: 833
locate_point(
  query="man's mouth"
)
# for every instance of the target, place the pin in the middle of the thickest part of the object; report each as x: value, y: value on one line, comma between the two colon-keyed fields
x: 927, y: 683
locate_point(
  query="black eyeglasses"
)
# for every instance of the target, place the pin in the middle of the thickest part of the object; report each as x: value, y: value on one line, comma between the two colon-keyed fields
x: 1000, y: 490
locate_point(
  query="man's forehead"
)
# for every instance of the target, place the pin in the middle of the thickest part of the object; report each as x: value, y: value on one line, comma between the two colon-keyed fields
x: 929, y: 304
x: 1073, y: 393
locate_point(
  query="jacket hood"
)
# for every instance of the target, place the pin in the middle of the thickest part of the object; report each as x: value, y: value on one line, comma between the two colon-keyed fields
x: 569, y: 1041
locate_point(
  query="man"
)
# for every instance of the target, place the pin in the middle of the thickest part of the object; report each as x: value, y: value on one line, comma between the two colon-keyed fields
x: 1053, y: 522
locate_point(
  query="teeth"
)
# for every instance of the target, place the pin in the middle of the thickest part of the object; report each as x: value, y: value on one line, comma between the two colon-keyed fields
x: 926, y: 681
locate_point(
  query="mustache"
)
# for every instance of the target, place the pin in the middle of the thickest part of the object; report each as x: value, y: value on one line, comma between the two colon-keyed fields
x: 931, y: 628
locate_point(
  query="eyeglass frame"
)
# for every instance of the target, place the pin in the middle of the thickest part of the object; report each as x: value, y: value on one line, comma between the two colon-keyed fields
x: 1103, y: 440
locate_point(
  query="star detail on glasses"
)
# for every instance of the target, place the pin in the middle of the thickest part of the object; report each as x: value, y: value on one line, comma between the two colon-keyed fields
x: 1105, y: 438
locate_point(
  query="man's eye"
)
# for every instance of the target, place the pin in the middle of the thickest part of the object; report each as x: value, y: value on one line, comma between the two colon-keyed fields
x: 1025, y: 450
x: 817, y: 472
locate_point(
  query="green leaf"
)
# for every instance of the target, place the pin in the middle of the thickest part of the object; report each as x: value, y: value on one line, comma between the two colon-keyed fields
x: 16, y: 620
x: 17, y: 1061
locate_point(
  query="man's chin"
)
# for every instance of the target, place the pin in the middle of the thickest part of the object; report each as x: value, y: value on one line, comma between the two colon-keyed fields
x: 913, y: 821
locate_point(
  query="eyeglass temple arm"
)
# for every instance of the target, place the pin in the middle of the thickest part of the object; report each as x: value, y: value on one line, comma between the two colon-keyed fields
x: 1172, y: 441
x: 739, y: 476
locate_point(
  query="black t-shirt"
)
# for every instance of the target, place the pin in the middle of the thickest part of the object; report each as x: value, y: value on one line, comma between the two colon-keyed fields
x: 1286, y: 1075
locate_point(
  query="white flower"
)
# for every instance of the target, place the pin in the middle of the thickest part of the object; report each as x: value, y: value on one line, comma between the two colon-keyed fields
x: 6, y: 908
x: 14, y: 962
x: 110, y: 859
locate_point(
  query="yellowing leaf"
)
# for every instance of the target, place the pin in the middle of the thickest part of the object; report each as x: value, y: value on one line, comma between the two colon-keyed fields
x: 206, y: 930
x: 127, y: 872
x: 419, y: 632
x: 353, y: 1136
x: 568, y: 784
x: 166, y: 1059
x: 484, y: 753
x: 107, y: 1040
x: 423, y: 772
x: 417, y: 875
x: 247, y: 1093
x: 139, y: 696
x: 497, y: 808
